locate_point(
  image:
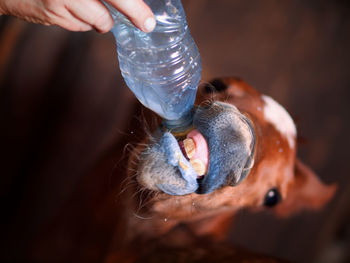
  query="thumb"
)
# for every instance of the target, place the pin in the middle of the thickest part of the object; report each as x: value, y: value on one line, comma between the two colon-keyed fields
x: 137, y: 11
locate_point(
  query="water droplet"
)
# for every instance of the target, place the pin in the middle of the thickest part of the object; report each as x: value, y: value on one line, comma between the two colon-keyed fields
x: 165, y: 219
x: 193, y: 204
x: 280, y: 150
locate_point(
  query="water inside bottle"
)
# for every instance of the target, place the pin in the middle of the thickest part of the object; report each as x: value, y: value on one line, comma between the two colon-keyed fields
x: 162, y: 68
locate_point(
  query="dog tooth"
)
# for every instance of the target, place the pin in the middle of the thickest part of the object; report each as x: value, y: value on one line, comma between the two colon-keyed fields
x: 183, y: 165
x: 190, y: 147
x: 198, y: 166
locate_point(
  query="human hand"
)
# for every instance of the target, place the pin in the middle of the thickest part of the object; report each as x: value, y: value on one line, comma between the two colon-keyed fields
x: 79, y: 15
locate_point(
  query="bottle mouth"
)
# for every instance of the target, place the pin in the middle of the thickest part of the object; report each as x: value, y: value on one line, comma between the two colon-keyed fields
x: 179, y: 127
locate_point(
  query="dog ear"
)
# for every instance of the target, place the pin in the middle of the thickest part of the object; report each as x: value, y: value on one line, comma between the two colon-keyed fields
x: 306, y: 191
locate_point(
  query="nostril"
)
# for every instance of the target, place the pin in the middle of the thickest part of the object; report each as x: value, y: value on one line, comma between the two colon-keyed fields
x: 216, y: 85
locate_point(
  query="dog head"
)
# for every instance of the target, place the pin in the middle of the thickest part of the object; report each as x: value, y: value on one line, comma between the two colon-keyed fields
x: 252, y: 160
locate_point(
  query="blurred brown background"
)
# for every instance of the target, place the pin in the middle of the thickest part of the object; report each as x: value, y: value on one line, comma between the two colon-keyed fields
x: 66, y: 116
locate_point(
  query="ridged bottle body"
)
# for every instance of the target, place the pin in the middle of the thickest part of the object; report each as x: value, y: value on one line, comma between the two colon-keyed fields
x: 162, y: 68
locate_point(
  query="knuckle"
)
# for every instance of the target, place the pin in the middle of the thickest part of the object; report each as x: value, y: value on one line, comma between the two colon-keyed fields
x: 103, y: 21
x: 52, y: 8
x: 50, y: 4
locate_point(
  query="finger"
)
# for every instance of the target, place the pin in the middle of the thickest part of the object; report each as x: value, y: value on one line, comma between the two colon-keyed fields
x: 137, y: 11
x: 92, y: 12
x: 68, y: 21
x: 73, y: 25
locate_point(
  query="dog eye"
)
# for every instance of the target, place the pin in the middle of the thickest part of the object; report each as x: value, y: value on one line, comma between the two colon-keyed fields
x: 272, y: 197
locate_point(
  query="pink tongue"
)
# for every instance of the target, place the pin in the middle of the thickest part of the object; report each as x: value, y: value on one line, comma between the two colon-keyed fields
x: 202, y: 150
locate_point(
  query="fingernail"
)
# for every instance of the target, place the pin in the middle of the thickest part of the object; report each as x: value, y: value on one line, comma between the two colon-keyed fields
x: 149, y: 24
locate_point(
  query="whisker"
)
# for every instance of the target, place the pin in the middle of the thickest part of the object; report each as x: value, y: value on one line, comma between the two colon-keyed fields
x: 141, y: 217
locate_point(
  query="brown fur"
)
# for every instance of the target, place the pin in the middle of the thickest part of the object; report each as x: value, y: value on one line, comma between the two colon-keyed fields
x: 275, y: 165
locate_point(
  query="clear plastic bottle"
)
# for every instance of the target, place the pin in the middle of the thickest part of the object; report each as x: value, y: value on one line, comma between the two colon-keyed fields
x: 162, y: 68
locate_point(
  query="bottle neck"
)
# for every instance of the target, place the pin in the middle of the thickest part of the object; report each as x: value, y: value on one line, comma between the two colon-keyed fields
x: 180, y: 126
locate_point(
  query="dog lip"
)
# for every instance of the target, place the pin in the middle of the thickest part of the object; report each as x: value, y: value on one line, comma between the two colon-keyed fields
x: 185, y: 175
x: 221, y: 173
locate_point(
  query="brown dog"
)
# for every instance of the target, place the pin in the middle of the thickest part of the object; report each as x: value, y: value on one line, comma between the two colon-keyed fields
x: 152, y: 226
x: 261, y: 136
